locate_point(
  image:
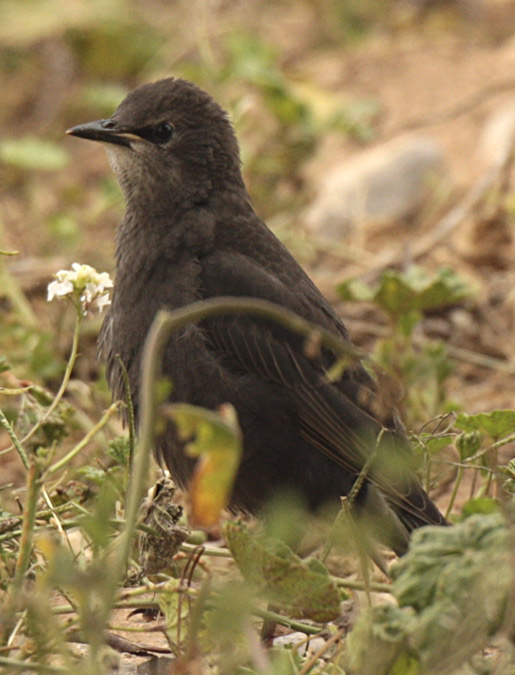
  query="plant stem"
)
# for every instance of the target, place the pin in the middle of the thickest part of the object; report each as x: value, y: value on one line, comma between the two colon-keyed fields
x: 209, y: 551
x: 30, y: 666
x: 286, y: 621
x: 66, y: 378
x: 23, y: 561
x: 4, y: 422
x: 375, y: 586
x: 459, y: 476
x: 87, y: 438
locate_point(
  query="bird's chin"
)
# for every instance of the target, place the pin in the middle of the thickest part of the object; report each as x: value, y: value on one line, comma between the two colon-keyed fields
x: 119, y: 157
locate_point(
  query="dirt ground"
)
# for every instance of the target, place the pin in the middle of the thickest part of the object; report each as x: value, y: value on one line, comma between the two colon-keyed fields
x: 444, y: 89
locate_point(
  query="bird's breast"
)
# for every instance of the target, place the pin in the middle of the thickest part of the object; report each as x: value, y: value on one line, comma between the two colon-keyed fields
x: 139, y: 294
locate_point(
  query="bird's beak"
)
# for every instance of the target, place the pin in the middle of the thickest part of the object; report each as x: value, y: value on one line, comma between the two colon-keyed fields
x: 104, y: 131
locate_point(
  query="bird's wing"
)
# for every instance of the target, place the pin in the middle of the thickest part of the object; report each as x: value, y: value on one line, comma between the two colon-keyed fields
x: 329, y: 415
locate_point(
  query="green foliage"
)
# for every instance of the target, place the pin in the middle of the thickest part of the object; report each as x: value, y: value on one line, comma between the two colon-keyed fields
x: 378, y: 643
x: 33, y: 154
x: 31, y: 350
x: 452, y: 589
x: 480, y: 505
x: 119, y: 450
x: 497, y: 423
x: 226, y: 619
x: 508, y: 472
x: 175, y: 609
x: 34, y: 404
x: 404, y: 297
x: 115, y: 474
x: 457, y: 580
x: 468, y: 444
x: 303, y: 588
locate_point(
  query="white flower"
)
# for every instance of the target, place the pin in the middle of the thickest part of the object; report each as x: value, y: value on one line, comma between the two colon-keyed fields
x: 102, y: 301
x: 82, y: 284
x: 59, y: 288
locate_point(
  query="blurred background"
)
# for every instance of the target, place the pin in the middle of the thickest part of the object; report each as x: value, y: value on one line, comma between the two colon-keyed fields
x: 375, y: 134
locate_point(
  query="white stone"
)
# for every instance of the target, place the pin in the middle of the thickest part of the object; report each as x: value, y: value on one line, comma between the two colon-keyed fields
x: 498, y: 133
x: 292, y: 639
x: 381, y: 185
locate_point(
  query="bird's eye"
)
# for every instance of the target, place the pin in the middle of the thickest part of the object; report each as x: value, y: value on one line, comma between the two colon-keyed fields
x: 162, y: 132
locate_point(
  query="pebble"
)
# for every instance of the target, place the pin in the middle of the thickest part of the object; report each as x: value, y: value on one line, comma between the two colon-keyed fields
x: 385, y: 184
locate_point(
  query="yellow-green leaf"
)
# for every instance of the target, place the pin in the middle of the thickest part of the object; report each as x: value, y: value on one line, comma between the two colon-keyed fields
x: 215, y: 438
x: 304, y: 589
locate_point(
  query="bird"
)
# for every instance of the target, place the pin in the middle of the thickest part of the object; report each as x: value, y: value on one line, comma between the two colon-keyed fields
x: 190, y: 233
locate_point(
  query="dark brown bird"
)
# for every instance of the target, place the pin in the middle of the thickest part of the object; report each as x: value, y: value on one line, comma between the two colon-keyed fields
x: 190, y: 233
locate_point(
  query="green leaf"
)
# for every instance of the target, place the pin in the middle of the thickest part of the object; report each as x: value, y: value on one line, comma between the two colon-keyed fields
x: 408, y: 321
x: 497, y: 423
x: 468, y: 444
x: 400, y: 293
x: 481, y: 505
x: 227, y: 614
x: 92, y: 473
x: 33, y: 154
x: 119, y: 450
x: 394, y: 294
x: 304, y: 589
x: 433, y: 444
x: 508, y: 472
x: 443, y: 288
x: 355, y: 290
x: 457, y: 580
x: 377, y: 645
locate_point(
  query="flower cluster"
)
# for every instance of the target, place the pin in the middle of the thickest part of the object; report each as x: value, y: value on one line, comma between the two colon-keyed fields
x: 86, y: 287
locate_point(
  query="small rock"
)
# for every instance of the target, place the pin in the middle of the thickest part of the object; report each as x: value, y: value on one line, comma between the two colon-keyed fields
x: 292, y: 639
x: 498, y: 134
x: 387, y: 183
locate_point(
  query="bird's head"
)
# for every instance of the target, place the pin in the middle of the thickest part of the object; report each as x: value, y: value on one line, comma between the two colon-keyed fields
x: 169, y: 143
